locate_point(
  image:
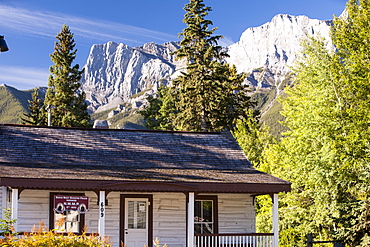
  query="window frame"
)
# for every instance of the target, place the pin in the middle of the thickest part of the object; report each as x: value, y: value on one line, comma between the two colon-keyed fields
x: 214, y: 200
x: 52, y: 212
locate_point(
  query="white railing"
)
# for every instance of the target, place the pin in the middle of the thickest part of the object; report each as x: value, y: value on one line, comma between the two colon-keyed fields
x: 234, y: 240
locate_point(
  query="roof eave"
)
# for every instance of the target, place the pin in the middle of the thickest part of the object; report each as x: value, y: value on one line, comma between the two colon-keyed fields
x: 144, y: 186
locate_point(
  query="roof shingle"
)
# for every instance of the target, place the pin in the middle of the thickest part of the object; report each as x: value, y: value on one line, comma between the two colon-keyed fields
x: 125, y: 155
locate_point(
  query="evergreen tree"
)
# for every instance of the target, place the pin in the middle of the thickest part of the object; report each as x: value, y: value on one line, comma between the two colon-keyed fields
x: 160, y: 113
x: 69, y: 108
x: 209, y: 95
x: 36, y: 115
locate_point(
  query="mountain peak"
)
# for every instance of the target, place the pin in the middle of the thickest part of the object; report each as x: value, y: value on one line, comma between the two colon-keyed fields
x: 275, y: 44
x: 114, y: 71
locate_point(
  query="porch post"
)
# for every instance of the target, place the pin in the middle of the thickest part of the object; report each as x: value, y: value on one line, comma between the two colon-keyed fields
x: 14, y: 210
x: 101, y: 223
x: 4, y: 195
x: 275, y: 220
x: 191, y: 220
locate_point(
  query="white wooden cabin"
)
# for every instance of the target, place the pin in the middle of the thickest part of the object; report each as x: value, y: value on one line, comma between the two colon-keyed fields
x: 184, y: 188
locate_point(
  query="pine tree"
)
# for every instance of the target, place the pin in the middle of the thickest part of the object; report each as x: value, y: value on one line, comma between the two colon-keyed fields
x: 69, y: 108
x: 209, y: 95
x: 36, y: 115
x: 161, y: 110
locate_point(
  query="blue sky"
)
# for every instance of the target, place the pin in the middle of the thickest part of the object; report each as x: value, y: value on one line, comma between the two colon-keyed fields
x: 30, y: 26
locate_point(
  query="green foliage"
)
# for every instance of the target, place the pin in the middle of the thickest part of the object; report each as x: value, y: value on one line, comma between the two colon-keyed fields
x: 253, y: 138
x: 161, y: 111
x: 70, y: 108
x: 355, y: 222
x: 263, y: 205
x: 6, y: 224
x: 271, y: 108
x: 209, y: 96
x: 326, y: 152
x: 306, y: 156
x: 35, y: 115
x: 198, y: 44
x: 273, y: 119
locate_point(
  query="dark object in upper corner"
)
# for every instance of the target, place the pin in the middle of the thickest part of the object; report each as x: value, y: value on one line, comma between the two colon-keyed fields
x: 3, y: 46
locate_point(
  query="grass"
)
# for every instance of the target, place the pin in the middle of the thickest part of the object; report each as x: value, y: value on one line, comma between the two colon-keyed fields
x: 13, y: 104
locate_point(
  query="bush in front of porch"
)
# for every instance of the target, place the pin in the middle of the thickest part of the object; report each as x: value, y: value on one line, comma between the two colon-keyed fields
x: 52, y: 239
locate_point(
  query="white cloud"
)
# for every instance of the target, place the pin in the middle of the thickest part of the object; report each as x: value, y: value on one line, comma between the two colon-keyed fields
x: 23, y: 78
x: 47, y: 24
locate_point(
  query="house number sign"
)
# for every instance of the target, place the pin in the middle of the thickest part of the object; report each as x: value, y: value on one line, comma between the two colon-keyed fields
x: 102, y: 209
x: 71, y: 203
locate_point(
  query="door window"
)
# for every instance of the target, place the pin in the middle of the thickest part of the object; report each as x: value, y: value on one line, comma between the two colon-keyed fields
x: 136, y: 215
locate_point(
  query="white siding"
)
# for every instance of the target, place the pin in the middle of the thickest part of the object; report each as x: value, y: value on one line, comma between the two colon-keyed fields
x: 3, y: 200
x: 169, y: 218
x: 33, y: 207
x: 236, y: 214
x: 112, y: 217
x: 91, y: 217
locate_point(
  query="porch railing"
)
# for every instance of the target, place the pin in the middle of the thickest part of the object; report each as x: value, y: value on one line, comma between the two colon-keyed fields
x: 234, y: 240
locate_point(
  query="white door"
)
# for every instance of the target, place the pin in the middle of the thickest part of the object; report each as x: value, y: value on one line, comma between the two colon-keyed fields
x: 136, y: 222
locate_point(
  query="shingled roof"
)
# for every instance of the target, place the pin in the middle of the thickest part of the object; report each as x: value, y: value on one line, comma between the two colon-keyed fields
x: 70, y: 158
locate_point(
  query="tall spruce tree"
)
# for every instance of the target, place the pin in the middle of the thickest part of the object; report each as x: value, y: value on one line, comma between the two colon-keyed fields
x: 68, y: 106
x: 209, y: 95
x: 35, y: 115
x: 161, y: 111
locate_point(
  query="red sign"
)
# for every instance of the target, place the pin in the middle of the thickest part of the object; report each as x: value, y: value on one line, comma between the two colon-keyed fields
x: 69, y: 203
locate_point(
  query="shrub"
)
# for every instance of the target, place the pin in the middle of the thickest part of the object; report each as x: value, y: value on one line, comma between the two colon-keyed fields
x: 6, y: 224
x: 42, y: 238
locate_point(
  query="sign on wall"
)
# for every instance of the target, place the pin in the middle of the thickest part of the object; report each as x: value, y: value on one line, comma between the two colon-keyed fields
x: 71, y: 203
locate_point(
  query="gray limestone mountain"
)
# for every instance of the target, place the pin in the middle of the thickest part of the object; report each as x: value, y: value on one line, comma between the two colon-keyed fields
x: 118, y: 78
x: 266, y: 53
x: 275, y: 44
x: 115, y: 72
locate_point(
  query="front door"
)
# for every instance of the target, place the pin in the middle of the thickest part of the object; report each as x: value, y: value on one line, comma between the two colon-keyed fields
x: 136, y: 221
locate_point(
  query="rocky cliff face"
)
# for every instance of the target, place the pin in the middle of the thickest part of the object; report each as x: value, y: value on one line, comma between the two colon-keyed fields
x: 114, y: 72
x: 273, y: 47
